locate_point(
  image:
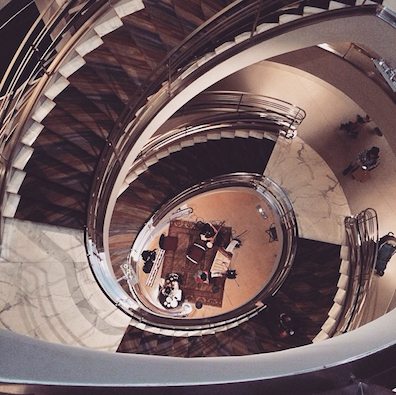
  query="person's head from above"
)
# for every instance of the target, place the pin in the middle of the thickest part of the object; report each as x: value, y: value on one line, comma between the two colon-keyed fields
x: 374, y: 152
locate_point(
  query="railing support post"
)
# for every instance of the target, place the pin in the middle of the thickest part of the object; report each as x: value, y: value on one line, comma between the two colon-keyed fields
x: 256, y: 18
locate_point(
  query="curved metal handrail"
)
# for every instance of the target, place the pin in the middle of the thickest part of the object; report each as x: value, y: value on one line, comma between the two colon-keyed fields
x: 286, y: 114
x: 226, y: 110
x: 362, y: 238
x: 143, y: 311
x: 137, y: 114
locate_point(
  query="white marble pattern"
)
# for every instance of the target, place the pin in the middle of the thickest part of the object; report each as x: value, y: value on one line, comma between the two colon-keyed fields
x: 51, y: 294
x: 317, y: 197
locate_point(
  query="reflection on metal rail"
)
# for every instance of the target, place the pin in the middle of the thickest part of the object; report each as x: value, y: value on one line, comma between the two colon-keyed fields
x: 362, y: 238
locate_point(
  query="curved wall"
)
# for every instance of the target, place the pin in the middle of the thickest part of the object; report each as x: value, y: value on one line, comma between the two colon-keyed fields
x: 32, y: 361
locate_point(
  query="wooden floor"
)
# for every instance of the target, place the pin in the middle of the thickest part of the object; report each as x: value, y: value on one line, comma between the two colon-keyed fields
x: 307, y: 296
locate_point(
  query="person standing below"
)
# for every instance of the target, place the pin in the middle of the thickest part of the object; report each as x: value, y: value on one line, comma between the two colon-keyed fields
x: 367, y: 158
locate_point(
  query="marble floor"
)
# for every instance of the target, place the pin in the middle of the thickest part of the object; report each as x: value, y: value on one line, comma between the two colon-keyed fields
x: 48, y: 290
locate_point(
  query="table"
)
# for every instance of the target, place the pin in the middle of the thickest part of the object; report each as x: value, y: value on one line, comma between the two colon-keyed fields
x: 221, y: 263
x: 170, y: 294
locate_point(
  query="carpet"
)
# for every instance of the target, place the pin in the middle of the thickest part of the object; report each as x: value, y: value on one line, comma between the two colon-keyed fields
x: 176, y: 262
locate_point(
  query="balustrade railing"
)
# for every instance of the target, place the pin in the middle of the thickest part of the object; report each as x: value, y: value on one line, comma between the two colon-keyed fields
x: 139, y: 307
x: 227, y: 111
x: 239, y: 17
x: 362, y: 239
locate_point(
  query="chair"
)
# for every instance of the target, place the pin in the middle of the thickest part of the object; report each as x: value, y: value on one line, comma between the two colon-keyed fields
x: 273, y: 236
x: 196, y: 253
x: 168, y: 243
x: 202, y: 277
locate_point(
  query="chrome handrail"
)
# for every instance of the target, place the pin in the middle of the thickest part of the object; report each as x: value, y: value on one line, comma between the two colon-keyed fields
x: 222, y: 110
x: 140, y: 309
x: 362, y: 238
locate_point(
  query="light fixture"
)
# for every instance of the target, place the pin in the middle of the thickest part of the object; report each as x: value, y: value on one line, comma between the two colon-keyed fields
x: 261, y: 211
x: 387, y: 72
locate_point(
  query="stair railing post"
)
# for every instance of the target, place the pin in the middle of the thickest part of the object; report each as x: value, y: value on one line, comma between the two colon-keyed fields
x: 169, y: 77
x: 256, y: 18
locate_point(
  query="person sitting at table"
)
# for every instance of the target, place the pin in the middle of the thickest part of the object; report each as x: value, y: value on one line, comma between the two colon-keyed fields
x: 208, y: 234
x: 367, y: 158
x: 170, y: 293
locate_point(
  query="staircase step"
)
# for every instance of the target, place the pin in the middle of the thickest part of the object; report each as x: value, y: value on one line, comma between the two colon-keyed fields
x: 343, y: 282
x: 16, y: 181
x: 224, y: 47
x: 201, y: 138
x: 335, y: 311
x: 174, y: 148
x: 213, y: 135
x: 344, y: 252
x: 108, y: 23
x: 242, y: 37
x: 227, y: 134
x: 334, y: 5
x: 23, y: 157
x: 73, y: 63
x: 43, y: 108
x: 285, y: 18
x: 12, y: 202
x: 256, y: 135
x: 58, y: 84
x: 322, y: 335
x: 91, y: 42
x: 187, y: 143
x: 344, y: 267
x: 205, y: 58
x: 328, y: 326
x: 151, y: 161
x: 162, y: 154
x: 128, y: 7
x: 340, y: 296
x: 265, y: 27
x: 242, y: 133
x: 308, y: 10
x: 32, y: 133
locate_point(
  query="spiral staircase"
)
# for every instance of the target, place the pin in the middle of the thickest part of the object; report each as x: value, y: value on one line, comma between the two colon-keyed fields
x: 71, y: 133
